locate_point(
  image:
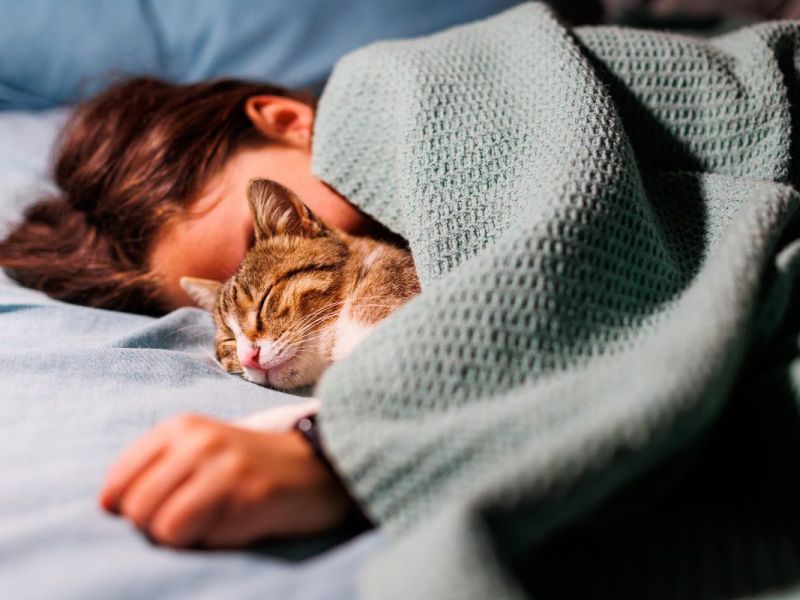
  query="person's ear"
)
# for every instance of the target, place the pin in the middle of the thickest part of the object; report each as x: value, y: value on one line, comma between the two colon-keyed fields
x: 282, y: 119
x: 203, y: 291
x: 277, y: 210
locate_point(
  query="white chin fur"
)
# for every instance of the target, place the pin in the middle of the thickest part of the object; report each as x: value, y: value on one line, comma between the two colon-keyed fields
x: 256, y: 376
x: 296, y: 374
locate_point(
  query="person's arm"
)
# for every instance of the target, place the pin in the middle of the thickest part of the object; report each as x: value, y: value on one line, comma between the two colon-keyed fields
x: 280, y: 418
x: 195, y: 481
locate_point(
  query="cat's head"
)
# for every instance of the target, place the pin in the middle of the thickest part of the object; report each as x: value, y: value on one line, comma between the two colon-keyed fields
x: 287, y: 292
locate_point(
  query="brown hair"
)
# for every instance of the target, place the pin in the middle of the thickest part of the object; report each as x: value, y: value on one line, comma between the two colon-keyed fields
x: 127, y: 161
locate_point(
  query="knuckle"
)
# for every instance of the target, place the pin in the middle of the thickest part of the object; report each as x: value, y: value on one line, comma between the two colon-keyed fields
x: 234, y: 463
x: 204, y: 441
x: 183, y: 421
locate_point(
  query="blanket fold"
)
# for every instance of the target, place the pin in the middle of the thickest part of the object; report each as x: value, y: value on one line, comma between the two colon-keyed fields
x: 602, y: 221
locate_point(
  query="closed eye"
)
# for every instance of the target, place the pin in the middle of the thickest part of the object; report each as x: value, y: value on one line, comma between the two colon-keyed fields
x: 264, y: 299
x: 291, y: 274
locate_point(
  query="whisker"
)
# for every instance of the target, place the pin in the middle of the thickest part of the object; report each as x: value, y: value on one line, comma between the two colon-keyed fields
x: 302, y: 332
x: 180, y: 330
x: 312, y: 315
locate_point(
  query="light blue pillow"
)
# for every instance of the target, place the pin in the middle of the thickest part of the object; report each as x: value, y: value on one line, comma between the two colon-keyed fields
x: 56, y: 51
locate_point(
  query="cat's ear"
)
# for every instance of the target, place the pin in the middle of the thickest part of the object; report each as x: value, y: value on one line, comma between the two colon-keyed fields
x: 202, y: 291
x: 278, y: 211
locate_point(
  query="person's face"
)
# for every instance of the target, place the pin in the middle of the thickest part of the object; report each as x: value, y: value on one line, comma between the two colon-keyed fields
x: 210, y: 239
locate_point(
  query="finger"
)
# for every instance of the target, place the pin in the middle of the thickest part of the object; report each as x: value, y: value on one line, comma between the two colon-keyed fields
x: 197, y: 505
x: 140, y: 455
x: 148, y: 491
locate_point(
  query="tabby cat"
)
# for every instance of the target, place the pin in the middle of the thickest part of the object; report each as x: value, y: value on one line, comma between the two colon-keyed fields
x: 305, y: 294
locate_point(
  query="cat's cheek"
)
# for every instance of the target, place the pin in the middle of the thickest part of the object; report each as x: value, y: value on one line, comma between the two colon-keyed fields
x: 309, y: 370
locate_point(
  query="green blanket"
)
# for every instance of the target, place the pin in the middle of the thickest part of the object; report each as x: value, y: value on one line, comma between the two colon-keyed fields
x: 594, y: 394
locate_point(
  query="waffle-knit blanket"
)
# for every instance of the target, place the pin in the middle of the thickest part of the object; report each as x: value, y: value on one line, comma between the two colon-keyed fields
x: 579, y: 403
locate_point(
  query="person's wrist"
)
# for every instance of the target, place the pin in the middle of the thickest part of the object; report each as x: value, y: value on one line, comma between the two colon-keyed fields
x: 307, y: 430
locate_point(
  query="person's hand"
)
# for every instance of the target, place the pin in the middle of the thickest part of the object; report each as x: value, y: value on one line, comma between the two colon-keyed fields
x: 196, y: 481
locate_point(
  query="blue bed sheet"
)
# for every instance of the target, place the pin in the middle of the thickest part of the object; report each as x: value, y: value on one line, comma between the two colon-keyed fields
x: 76, y: 386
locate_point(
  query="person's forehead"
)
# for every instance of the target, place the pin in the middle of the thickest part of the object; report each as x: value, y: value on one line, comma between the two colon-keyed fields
x: 209, y: 242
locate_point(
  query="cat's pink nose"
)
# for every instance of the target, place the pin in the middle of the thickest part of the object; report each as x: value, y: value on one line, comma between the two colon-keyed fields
x: 250, y: 359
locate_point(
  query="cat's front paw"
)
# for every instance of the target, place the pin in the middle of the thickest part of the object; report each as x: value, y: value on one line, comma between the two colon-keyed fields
x: 226, y: 353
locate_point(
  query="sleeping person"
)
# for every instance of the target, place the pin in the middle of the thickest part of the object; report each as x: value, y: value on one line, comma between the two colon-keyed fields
x: 602, y: 222
x: 153, y: 180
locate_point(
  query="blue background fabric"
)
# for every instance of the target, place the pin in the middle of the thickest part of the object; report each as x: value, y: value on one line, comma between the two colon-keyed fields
x: 56, y: 52
x: 76, y: 386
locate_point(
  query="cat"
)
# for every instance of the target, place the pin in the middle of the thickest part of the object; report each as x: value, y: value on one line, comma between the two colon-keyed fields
x: 304, y: 296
